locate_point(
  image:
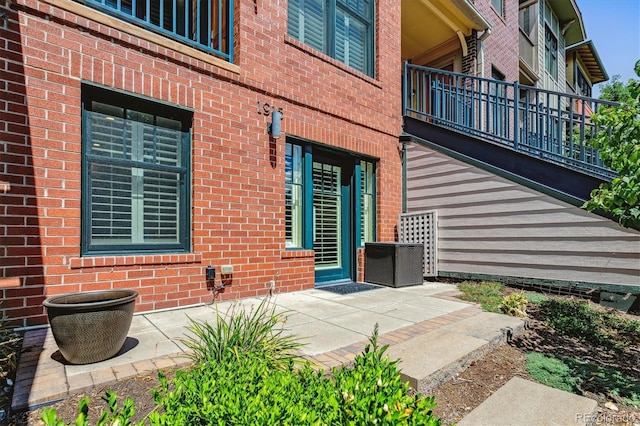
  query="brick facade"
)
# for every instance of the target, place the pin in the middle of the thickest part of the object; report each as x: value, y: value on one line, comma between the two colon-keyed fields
x: 501, y: 47
x: 47, y: 50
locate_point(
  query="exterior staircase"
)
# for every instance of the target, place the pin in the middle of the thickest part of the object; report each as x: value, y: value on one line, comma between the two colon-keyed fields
x: 507, y: 168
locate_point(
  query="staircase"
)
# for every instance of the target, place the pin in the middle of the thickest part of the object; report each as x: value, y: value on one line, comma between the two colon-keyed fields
x: 507, y: 168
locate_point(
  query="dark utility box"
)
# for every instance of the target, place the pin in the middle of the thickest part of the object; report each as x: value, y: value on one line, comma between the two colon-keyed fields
x: 393, y: 264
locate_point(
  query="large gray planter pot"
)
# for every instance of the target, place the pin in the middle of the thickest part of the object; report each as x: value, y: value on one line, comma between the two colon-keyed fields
x: 90, y: 326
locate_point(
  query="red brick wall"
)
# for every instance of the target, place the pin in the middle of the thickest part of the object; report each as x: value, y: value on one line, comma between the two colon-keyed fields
x: 237, y: 172
x: 501, y: 47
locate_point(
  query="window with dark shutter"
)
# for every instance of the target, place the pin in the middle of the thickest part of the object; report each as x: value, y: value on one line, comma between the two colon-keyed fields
x: 135, y: 175
x: 342, y: 29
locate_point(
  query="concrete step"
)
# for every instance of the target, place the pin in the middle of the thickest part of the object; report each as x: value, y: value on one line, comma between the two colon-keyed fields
x: 522, y: 402
x: 430, y: 359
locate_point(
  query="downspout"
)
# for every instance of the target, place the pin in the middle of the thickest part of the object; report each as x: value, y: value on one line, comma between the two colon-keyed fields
x: 404, y: 140
x: 403, y: 159
x: 480, y: 65
x: 481, y: 39
x: 403, y: 153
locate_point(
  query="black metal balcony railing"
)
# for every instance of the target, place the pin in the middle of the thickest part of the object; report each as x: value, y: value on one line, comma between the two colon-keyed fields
x: 203, y: 24
x: 550, y: 125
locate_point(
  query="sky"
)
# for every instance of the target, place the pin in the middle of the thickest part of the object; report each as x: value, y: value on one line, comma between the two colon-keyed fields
x: 614, y: 27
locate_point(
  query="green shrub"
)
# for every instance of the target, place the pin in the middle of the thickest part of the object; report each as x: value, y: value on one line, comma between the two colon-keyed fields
x: 515, y: 305
x: 9, y: 344
x: 240, y: 331
x: 247, y: 390
x: 487, y: 293
x: 372, y: 392
x: 579, y: 319
x: 243, y: 390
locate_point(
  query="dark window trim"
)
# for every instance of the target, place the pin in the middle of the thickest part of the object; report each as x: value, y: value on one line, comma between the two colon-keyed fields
x: 311, y: 148
x: 330, y: 34
x: 551, y: 47
x: 121, y: 98
x: 500, y: 12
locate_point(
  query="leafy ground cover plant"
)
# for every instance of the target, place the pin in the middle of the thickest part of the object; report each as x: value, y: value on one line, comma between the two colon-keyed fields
x: 578, y: 376
x: 550, y: 371
x: 245, y: 389
x: 535, y: 298
x: 113, y: 415
x: 487, y: 293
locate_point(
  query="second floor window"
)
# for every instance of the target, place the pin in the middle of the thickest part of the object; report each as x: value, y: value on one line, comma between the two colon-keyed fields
x: 550, y: 52
x: 583, y: 87
x: 498, y: 5
x: 552, y: 44
x: 342, y: 29
x: 204, y: 24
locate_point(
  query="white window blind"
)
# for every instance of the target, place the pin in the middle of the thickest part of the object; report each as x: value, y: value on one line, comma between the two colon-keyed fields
x: 326, y: 215
x: 135, y: 167
x: 307, y: 22
x: 351, y: 40
x: 342, y: 29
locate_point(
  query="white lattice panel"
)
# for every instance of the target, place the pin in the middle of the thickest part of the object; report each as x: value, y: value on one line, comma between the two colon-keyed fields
x: 421, y: 228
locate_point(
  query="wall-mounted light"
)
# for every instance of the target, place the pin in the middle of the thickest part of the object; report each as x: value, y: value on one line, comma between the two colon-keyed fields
x: 274, y: 127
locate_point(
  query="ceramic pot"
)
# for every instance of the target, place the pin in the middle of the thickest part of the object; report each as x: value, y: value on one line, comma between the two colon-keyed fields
x: 90, y: 326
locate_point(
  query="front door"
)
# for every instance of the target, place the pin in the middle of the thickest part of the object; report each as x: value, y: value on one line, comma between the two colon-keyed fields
x: 332, y: 219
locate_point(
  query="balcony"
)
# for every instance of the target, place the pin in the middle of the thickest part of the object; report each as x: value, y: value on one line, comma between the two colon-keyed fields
x: 551, y: 126
x: 203, y: 24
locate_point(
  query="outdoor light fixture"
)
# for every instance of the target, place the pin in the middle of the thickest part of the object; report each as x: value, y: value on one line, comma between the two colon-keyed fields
x: 274, y: 127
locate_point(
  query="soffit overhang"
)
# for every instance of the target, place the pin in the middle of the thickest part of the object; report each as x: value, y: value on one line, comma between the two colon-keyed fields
x: 570, y: 19
x: 588, y: 55
x: 427, y: 24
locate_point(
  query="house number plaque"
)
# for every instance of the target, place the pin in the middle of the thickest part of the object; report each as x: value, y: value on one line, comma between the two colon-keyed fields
x: 265, y: 108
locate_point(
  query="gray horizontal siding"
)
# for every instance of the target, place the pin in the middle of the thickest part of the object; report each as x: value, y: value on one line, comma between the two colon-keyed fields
x: 490, y: 225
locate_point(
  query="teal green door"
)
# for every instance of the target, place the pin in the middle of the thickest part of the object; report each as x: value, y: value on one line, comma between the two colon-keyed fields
x: 332, y: 220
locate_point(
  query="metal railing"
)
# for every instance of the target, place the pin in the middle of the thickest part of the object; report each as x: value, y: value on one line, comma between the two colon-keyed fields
x: 203, y: 24
x: 550, y: 125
